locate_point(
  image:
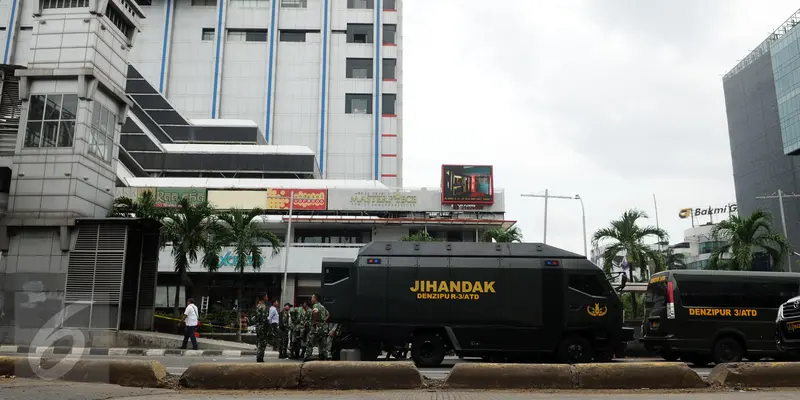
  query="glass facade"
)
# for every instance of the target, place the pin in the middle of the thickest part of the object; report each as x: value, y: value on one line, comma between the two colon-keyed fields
x: 785, y: 53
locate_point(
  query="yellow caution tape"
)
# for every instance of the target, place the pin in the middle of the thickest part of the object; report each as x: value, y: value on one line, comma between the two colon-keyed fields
x: 200, y: 323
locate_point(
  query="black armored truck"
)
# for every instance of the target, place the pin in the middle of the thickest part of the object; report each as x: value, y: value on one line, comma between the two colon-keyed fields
x: 498, y: 301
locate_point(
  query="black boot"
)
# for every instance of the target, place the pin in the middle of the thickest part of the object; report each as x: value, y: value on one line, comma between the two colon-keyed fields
x: 259, y: 359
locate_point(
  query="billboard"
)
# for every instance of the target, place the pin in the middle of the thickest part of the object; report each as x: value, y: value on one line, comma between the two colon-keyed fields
x: 467, y: 184
x: 304, y: 199
x: 707, y: 211
x: 169, y: 197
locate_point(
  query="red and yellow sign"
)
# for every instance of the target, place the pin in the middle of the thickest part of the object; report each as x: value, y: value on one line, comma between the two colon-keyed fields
x: 304, y: 199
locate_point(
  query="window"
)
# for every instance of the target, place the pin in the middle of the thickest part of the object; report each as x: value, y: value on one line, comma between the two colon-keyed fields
x: 118, y: 20
x: 165, y: 296
x: 389, y: 5
x: 208, y: 34
x: 336, y: 274
x: 101, y: 139
x: 46, y: 4
x: 203, y: 3
x: 361, y: 4
x: 249, y: 3
x: 293, y: 36
x: 735, y: 294
x: 656, y: 295
x: 51, y: 120
x: 294, y: 3
x: 247, y: 35
x: 358, y: 103
x: 589, y: 284
x: 388, y: 104
x: 389, y: 34
x: 709, y: 247
x: 389, y: 69
x: 359, y: 33
x: 359, y: 68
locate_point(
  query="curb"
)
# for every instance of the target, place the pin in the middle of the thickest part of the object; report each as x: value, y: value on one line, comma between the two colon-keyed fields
x: 114, y: 351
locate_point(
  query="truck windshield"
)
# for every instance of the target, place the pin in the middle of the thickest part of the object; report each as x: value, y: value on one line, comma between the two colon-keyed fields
x: 656, y: 295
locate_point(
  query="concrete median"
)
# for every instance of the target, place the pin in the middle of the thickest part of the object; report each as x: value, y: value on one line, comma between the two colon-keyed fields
x: 19, y: 367
x: 759, y: 374
x: 363, y: 375
x: 252, y: 376
x: 135, y: 373
x: 509, y: 376
x: 636, y: 376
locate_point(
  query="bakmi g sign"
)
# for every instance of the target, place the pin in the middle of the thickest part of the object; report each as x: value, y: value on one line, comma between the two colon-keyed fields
x: 698, y: 212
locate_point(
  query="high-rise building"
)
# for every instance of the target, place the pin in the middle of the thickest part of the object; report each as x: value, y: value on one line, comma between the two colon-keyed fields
x: 762, y: 100
x: 325, y: 74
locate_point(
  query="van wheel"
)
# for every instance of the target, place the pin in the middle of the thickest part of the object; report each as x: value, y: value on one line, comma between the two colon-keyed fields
x: 728, y: 350
x: 427, y: 350
x: 574, y: 350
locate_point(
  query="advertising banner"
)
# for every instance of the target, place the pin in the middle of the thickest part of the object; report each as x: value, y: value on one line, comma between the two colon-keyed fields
x: 467, y: 184
x: 237, y: 199
x: 375, y: 200
x: 304, y: 199
x: 692, y: 212
x: 169, y: 197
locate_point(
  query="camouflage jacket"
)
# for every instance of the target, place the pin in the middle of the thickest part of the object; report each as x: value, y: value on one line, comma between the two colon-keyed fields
x: 297, y: 316
x: 260, y: 317
x: 283, y: 320
x: 319, y: 316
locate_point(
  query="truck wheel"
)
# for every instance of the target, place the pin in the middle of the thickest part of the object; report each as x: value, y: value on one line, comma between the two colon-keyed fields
x: 427, y: 350
x: 727, y: 350
x: 574, y: 350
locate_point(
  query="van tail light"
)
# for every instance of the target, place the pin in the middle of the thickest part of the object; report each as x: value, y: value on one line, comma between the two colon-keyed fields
x: 670, y: 301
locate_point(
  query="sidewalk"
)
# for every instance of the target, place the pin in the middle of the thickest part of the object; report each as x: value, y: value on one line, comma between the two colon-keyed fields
x: 100, y: 351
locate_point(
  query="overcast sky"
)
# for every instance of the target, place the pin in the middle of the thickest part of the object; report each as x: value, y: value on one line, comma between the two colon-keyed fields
x: 615, y: 100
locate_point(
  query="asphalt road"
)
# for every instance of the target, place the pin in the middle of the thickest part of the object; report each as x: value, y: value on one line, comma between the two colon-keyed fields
x: 23, y: 389
x: 176, y: 365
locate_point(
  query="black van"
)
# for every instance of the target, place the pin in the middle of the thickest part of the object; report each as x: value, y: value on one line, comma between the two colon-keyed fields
x: 499, y: 301
x: 715, y: 316
x: 787, y: 330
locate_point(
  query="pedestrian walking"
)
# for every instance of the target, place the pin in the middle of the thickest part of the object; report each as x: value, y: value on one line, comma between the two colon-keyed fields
x: 274, y: 320
x: 190, y: 320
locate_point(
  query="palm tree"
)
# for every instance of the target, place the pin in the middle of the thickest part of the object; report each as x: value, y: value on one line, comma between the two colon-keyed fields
x: 143, y: 207
x: 743, y: 237
x: 192, y: 229
x: 421, y: 236
x: 673, y: 260
x: 628, y: 237
x: 502, y: 235
x: 246, y: 235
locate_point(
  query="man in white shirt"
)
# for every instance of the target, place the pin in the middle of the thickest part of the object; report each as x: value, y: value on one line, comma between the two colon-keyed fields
x: 190, y: 318
x: 273, y: 324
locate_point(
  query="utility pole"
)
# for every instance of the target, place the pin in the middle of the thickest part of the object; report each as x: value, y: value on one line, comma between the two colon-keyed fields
x: 546, y: 196
x: 780, y: 195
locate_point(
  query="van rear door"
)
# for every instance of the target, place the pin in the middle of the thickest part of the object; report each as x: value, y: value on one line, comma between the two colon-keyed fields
x: 655, y: 302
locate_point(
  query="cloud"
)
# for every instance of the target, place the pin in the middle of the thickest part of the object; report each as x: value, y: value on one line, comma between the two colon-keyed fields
x: 614, y: 100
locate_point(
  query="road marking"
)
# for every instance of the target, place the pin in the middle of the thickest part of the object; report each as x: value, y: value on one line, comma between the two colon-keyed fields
x: 118, y: 352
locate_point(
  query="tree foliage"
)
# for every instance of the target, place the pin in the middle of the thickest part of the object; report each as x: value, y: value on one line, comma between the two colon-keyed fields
x: 626, y: 237
x: 501, y: 235
x: 421, y: 236
x: 744, y: 237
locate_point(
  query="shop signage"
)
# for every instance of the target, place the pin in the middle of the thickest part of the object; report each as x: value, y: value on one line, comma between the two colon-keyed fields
x: 169, y: 197
x: 698, y: 212
x: 229, y: 259
x: 304, y: 199
x: 383, y: 200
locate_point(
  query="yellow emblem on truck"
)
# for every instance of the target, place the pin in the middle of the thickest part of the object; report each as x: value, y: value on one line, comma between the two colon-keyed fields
x: 451, y: 290
x: 597, y: 310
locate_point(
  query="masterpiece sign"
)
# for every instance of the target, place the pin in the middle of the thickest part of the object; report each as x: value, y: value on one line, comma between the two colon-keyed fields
x: 378, y: 200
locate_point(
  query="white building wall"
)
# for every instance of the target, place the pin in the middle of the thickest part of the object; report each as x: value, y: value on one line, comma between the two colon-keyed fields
x: 173, y: 56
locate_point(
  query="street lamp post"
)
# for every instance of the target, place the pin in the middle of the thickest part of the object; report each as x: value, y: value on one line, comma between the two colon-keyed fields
x: 547, y: 196
x: 286, y: 251
x: 583, y: 220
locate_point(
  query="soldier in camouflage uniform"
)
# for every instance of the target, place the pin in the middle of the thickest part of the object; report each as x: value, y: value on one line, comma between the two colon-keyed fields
x: 261, y: 321
x: 334, y: 331
x: 317, y: 329
x: 283, y: 331
x: 297, y: 327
